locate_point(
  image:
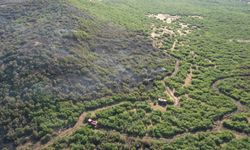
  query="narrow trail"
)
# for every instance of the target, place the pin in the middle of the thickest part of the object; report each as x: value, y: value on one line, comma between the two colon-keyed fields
x: 240, y: 107
x: 218, y: 125
x: 188, y: 80
x: 176, y: 69
x: 174, y: 45
x: 79, y: 123
x: 66, y: 132
x: 146, y: 138
x: 170, y: 93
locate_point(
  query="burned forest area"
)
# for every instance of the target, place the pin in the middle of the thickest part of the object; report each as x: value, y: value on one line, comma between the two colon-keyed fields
x: 124, y: 74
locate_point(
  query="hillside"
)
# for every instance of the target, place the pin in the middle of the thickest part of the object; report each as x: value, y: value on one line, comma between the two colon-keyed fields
x: 51, y: 50
x: 65, y: 61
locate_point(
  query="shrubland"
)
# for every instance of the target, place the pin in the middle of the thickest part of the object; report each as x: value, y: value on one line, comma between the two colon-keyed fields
x: 104, y: 49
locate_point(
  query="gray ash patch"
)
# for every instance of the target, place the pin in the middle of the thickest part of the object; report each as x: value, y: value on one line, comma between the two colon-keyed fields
x: 49, y: 47
x: 37, y: 39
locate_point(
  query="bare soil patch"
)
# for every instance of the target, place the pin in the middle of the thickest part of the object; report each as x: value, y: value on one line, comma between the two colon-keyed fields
x: 159, y: 33
x: 183, y: 25
x: 95, y: 1
x: 188, y: 80
x: 170, y: 93
x: 174, y: 45
x: 165, y: 17
x: 183, y: 32
x: 240, y: 40
x: 157, y: 107
x: 196, y: 17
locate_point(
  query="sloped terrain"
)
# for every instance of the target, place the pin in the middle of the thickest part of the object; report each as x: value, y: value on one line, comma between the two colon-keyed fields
x: 162, y: 74
x: 51, y: 51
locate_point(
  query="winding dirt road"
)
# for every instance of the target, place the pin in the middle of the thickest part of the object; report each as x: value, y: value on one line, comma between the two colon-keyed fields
x: 66, y: 132
x: 79, y: 123
x: 176, y: 69
x: 188, y: 80
x: 218, y: 125
x: 170, y: 93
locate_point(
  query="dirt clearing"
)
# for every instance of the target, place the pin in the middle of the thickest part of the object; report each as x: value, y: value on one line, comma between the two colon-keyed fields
x: 170, y: 93
x: 174, y: 45
x: 157, y: 107
x: 196, y: 17
x: 188, y: 80
x: 158, y: 35
x: 165, y: 17
x: 243, y: 41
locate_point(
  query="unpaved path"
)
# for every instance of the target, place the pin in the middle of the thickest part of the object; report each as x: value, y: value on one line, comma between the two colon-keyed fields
x: 148, y: 139
x: 157, y: 107
x: 66, y: 132
x: 69, y: 131
x: 188, y: 80
x: 79, y: 123
x: 174, y: 45
x: 170, y: 93
x: 176, y: 69
x: 218, y: 125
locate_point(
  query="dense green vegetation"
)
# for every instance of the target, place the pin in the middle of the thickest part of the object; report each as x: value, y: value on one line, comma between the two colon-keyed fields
x: 86, y: 138
x: 91, y: 139
x: 103, y: 49
x: 239, y: 122
x: 238, y: 88
x: 139, y: 119
x: 238, y: 144
x: 208, y: 50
